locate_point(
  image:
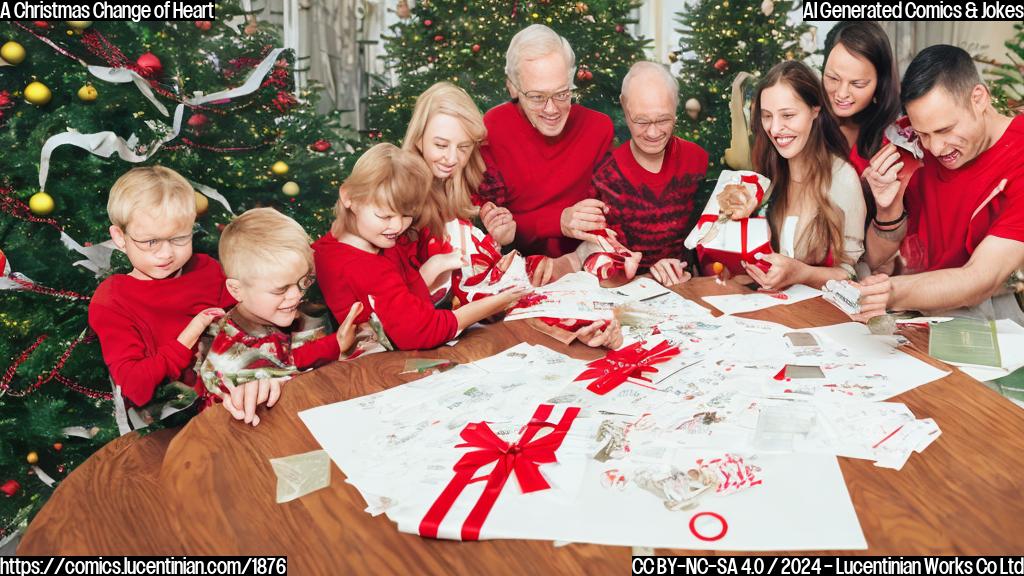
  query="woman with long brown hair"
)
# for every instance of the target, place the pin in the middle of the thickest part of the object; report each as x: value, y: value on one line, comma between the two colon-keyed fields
x: 816, y: 211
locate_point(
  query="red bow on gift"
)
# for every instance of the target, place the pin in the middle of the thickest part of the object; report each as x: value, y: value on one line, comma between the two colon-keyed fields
x: 522, y: 457
x: 629, y: 362
x: 488, y: 260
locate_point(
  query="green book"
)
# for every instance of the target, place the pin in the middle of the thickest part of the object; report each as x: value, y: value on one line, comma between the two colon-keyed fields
x: 965, y: 341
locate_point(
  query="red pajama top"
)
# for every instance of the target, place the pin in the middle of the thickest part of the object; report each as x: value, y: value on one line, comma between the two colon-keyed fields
x: 952, y: 211
x: 138, y: 323
x: 348, y: 275
x: 650, y: 211
x: 537, y: 177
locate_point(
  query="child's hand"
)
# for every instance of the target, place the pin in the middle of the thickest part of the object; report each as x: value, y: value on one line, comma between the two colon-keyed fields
x: 191, y: 334
x: 438, y: 268
x: 347, y: 331
x: 510, y: 296
x: 206, y: 317
x: 241, y: 401
x: 448, y: 262
x: 607, y: 334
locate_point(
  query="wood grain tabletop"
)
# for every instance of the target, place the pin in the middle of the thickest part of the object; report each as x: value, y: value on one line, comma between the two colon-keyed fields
x: 211, y: 489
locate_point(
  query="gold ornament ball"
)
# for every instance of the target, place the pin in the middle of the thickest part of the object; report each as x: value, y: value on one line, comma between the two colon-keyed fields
x: 37, y: 93
x: 12, y: 53
x: 202, y: 204
x: 79, y: 24
x: 290, y: 188
x: 32, y: 458
x: 279, y: 168
x: 41, y: 204
x: 87, y: 93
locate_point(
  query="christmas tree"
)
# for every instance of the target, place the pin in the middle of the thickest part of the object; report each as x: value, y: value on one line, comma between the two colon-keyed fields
x: 251, y: 141
x: 1007, y: 78
x: 465, y: 43
x: 720, y: 39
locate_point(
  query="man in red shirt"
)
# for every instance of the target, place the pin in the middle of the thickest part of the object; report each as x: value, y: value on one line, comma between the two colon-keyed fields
x: 959, y: 226
x: 541, y: 148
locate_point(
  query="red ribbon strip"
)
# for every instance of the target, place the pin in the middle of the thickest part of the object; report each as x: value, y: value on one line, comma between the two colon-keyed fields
x: 608, y: 263
x: 523, y: 458
x: 629, y: 362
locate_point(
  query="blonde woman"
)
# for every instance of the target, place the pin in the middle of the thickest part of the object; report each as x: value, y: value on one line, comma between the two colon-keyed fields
x: 447, y: 130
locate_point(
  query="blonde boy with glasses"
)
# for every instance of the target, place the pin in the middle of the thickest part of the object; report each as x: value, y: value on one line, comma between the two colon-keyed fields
x: 265, y: 339
x: 149, y: 321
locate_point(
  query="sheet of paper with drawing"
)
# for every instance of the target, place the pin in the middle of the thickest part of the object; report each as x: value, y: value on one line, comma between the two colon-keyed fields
x: 577, y: 296
x: 762, y: 299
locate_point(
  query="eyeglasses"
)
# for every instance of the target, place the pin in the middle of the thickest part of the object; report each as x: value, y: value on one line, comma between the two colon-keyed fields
x: 538, y: 99
x: 660, y: 124
x: 304, y: 283
x: 157, y: 243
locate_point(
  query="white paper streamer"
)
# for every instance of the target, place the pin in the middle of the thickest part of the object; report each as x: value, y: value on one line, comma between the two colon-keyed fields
x: 79, y: 431
x: 97, y: 256
x: 212, y: 193
x: 43, y: 476
x: 105, y: 144
x: 123, y: 76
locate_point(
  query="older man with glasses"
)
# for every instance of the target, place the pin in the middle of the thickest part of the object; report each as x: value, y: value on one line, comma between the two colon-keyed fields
x: 542, y: 150
x: 648, y: 184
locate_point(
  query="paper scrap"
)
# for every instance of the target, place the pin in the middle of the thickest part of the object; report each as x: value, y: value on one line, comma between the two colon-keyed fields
x: 301, y: 474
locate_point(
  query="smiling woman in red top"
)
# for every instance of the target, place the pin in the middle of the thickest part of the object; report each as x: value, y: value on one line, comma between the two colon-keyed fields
x: 542, y: 148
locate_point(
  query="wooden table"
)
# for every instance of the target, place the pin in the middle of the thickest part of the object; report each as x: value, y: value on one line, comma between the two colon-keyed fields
x: 961, y: 496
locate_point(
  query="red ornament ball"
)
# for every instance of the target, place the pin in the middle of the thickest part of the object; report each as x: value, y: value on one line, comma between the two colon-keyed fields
x: 204, y: 25
x: 439, y: 38
x: 321, y: 145
x: 150, y: 65
x: 721, y: 65
x: 619, y: 28
x: 476, y: 48
x: 58, y: 446
x: 41, y: 23
x: 584, y: 75
x: 10, y: 488
x: 428, y: 23
x: 198, y: 121
x: 60, y: 468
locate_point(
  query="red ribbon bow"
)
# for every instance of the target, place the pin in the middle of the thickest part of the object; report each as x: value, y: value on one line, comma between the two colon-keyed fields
x: 629, y: 362
x: 523, y: 458
x: 485, y: 262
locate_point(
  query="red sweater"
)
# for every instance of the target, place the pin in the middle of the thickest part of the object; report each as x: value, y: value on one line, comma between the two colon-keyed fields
x: 952, y: 211
x: 138, y: 323
x: 651, y: 211
x: 537, y: 177
x: 348, y: 274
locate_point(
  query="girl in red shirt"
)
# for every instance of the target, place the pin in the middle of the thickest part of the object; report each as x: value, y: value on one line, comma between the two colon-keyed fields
x: 356, y: 261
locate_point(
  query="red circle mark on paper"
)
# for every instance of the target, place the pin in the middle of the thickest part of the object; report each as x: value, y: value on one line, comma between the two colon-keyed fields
x: 719, y: 536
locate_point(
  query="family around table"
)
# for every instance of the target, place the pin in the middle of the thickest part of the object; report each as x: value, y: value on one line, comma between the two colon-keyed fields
x: 538, y: 177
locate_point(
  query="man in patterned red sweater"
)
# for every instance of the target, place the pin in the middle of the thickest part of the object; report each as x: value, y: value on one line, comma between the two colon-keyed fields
x: 648, y: 184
